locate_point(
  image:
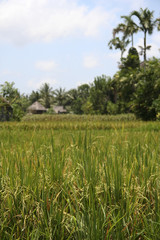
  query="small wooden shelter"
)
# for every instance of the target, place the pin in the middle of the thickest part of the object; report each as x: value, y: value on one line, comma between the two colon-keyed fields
x: 59, y: 109
x: 36, y: 108
x: 6, y: 110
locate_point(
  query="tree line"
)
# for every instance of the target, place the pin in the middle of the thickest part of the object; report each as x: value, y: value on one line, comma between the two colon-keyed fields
x: 135, y: 87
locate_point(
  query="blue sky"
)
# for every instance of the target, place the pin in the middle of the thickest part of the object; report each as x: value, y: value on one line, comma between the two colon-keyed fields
x: 63, y: 42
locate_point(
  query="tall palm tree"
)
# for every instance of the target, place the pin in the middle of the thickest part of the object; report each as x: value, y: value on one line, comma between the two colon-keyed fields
x: 120, y: 28
x: 146, y: 25
x: 130, y: 28
x: 46, y: 94
x: 119, y: 44
x: 60, y: 95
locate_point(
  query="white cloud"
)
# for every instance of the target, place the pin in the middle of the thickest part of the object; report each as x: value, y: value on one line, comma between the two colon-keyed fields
x: 37, y: 84
x: 90, y: 61
x: 46, y: 65
x: 24, y: 21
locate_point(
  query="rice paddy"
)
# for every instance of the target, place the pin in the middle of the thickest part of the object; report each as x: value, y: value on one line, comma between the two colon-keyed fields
x: 80, y: 178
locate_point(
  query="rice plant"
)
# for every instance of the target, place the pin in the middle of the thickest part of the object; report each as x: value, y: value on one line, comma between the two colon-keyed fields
x: 79, y: 180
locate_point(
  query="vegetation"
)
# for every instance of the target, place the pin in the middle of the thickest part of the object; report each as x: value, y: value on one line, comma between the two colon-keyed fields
x: 137, y: 85
x: 132, y: 90
x: 146, y: 25
x: 79, y: 184
x: 94, y: 174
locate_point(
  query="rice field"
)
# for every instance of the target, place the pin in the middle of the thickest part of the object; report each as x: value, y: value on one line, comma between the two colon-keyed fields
x: 82, y: 179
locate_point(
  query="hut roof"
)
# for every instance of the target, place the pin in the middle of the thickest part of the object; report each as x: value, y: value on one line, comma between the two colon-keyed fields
x: 36, y: 106
x: 59, y: 109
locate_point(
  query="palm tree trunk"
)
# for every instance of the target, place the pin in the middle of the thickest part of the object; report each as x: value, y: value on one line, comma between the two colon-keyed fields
x: 132, y: 40
x: 144, y: 46
x: 121, y: 54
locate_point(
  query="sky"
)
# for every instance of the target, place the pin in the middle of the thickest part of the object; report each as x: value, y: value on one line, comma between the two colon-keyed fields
x: 63, y: 42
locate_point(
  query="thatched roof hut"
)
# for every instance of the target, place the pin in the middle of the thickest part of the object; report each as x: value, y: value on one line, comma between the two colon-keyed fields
x: 59, y: 109
x: 6, y: 110
x: 36, y: 108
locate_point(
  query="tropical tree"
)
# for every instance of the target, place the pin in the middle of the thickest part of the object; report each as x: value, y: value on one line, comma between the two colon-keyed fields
x: 71, y: 101
x: 129, y: 28
x: 83, y: 91
x: 8, y: 91
x: 34, y: 96
x: 146, y: 102
x: 146, y: 25
x: 77, y: 98
x: 132, y: 61
x: 18, y: 102
x: 118, y: 43
x: 46, y: 94
x: 60, y: 96
x: 158, y: 24
x: 99, y: 94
